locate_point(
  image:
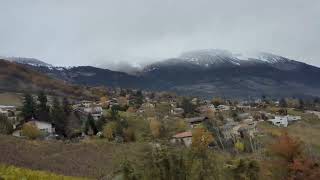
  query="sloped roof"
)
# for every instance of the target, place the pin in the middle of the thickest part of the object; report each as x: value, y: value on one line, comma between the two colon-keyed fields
x: 183, y: 134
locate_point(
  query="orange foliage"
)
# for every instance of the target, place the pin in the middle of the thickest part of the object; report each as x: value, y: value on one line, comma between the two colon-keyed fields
x: 287, y: 147
x: 304, y: 169
x: 201, y: 139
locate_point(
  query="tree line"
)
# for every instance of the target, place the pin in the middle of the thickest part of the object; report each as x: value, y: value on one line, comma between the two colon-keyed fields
x: 39, y: 109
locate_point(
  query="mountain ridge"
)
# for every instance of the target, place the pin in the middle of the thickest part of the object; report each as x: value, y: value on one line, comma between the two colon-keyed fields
x: 205, y: 73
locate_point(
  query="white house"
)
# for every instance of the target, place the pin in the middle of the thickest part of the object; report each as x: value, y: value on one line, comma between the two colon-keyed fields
x: 280, y: 121
x: 293, y: 118
x: 283, y: 121
x: 212, y: 107
x: 44, y: 127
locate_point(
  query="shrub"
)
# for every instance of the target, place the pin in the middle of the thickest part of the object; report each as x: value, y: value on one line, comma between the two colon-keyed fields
x: 109, y: 130
x: 155, y: 127
x: 239, y: 146
x: 11, y: 172
x: 201, y: 139
x: 129, y: 134
x: 30, y: 131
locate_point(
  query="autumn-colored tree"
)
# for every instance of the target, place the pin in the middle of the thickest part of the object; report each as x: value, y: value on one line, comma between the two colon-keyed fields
x: 283, y: 112
x: 217, y: 101
x: 287, y: 147
x: 109, y: 130
x: 128, y: 134
x: 30, y: 131
x: 123, y: 101
x: 201, y: 138
x: 155, y: 127
x: 103, y: 101
x: 304, y: 169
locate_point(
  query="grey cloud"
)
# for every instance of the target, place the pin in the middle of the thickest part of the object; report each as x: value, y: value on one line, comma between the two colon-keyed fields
x: 81, y: 32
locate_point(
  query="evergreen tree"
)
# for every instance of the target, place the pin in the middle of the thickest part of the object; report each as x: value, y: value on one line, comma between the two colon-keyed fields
x: 58, y: 117
x: 301, y: 104
x: 29, y: 107
x: 90, y: 124
x: 187, y: 106
x: 114, y: 112
x: 139, y: 99
x: 282, y: 103
x: 42, y: 108
x: 100, y: 123
x: 66, y: 106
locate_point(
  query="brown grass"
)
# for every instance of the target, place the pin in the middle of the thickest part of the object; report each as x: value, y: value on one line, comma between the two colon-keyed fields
x: 10, y: 99
x: 86, y: 159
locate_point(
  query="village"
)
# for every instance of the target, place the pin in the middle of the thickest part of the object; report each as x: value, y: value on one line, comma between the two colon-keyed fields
x: 169, y: 117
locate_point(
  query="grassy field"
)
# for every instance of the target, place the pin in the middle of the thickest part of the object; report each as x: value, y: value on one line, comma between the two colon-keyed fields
x: 95, y: 158
x: 10, y: 99
x: 13, y: 173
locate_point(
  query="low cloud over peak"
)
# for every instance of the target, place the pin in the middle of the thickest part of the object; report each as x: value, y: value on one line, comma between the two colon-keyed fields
x: 79, y: 32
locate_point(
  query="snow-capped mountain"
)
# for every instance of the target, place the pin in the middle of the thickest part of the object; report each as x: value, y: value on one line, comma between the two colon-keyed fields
x: 221, y: 72
x: 27, y: 61
x: 216, y: 58
x: 205, y: 73
x: 210, y: 57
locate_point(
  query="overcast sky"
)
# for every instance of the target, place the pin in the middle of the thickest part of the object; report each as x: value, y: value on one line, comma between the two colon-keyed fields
x: 88, y: 32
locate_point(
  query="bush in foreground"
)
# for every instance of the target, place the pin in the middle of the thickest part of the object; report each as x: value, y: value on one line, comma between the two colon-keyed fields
x: 11, y: 172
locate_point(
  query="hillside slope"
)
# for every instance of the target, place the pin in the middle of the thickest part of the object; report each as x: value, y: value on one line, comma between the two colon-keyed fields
x: 17, y: 78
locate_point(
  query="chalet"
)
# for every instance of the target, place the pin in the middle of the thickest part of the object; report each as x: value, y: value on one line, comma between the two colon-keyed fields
x: 283, y: 121
x: 46, y: 128
x: 7, y: 108
x: 184, y: 138
x: 212, y: 107
x: 9, y: 112
x: 195, y: 121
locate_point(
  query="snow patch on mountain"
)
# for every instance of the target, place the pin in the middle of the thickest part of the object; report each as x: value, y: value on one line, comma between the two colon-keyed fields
x: 216, y: 57
x: 27, y: 61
